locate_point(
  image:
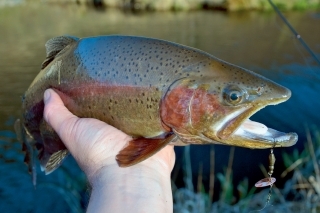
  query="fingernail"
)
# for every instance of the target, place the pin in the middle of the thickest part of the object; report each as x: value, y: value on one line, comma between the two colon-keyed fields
x: 46, y: 96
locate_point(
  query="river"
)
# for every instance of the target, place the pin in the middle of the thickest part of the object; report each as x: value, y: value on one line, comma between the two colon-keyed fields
x: 257, y: 41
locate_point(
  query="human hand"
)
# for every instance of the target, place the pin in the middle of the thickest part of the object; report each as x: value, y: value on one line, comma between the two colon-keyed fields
x: 94, y: 144
x: 91, y: 142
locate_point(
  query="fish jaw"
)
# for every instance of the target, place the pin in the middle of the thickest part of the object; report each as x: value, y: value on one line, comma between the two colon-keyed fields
x: 241, y: 131
x: 266, y: 137
x: 202, y: 113
x: 250, y: 134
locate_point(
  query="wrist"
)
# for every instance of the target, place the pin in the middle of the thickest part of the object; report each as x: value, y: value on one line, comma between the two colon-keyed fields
x: 144, y: 187
x: 162, y: 162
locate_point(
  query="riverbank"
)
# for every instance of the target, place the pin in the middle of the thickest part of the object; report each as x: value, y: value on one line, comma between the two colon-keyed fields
x: 166, y: 5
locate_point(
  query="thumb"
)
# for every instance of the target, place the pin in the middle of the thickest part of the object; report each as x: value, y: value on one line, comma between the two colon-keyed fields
x: 58, y: 116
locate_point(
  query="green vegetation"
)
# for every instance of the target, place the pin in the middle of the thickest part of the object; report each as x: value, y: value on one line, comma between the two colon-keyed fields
x: 67, y: 190
x: 178, y: 5
x: 301, y: 193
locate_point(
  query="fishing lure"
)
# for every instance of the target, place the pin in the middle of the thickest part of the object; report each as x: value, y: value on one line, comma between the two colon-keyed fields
x: 268, y: 181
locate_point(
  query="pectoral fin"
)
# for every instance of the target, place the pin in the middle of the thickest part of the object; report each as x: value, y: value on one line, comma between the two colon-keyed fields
x: 55, y: 161
x: 53, y: 152
x: 140, y: 149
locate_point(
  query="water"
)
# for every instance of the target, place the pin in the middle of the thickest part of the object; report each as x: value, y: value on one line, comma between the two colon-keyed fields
x: 258, y: 41
x: 253, y: 40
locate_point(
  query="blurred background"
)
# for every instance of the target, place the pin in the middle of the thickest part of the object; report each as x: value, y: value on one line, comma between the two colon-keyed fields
x: 216, y: 178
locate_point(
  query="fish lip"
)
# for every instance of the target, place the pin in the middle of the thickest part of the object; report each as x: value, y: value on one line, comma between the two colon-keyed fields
x: 235, y: 134
x: 271, y: 138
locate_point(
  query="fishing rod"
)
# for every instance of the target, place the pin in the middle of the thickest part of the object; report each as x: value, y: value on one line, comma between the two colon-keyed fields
x: 297, y: 35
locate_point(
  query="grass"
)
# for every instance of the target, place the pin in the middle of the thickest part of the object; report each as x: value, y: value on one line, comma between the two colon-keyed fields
x: 301, y: 192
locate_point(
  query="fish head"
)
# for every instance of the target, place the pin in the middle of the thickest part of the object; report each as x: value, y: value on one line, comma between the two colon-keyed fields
x: 215, y: 107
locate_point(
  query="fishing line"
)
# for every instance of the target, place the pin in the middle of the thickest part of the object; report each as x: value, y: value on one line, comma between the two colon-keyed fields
x: 268, y: 181
x: 298, y: 47
x: 296, y: 43
x: 296, y: 34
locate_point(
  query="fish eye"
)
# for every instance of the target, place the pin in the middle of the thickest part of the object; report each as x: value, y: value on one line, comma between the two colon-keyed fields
x: 233, y: 95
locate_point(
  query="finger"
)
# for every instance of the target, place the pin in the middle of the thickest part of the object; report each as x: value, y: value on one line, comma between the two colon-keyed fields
x: 71, y: 129
x: 58, y: 116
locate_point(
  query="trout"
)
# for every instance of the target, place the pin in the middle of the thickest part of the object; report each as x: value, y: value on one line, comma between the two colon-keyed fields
x: 157, y: 91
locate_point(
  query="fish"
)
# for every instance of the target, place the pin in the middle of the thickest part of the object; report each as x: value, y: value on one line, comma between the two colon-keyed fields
x: 156, y: 91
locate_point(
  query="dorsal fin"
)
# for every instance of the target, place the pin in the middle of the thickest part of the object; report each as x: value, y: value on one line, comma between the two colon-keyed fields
x: 55, y: 45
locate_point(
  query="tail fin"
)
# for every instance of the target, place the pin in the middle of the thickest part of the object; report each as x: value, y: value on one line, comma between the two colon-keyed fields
x: 27, y: 146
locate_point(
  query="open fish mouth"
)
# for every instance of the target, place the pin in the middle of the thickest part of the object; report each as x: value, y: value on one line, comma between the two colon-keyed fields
x: 243, y: 132
x: 252, y: 132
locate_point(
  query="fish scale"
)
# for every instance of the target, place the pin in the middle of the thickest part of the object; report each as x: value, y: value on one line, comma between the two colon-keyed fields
x: 159, y: 92
x: 136, y: 66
